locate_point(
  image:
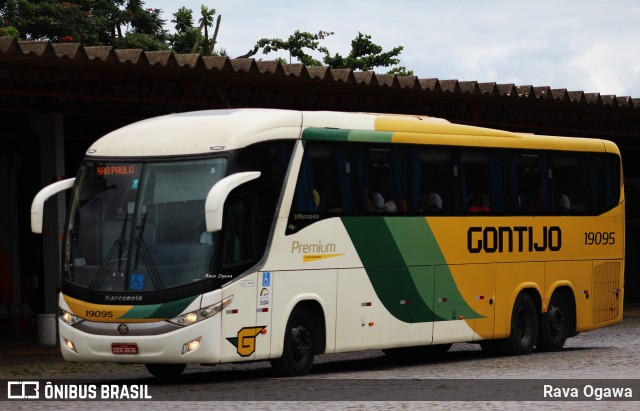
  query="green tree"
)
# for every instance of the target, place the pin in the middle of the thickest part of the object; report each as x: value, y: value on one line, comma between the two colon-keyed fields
x: 296, y: 45
x: 90, y: 22
x: 145, y: 20
x: 9, y: 31
x: 195, y: 39
x: 186, y: 34
x: 364, y: 54
x: 205, y: 21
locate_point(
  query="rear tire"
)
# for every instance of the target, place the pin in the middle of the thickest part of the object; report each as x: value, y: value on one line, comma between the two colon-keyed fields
x: 555, y: 324
x: 299, y: 345
x: 524, y: 327
x: 165, y: 371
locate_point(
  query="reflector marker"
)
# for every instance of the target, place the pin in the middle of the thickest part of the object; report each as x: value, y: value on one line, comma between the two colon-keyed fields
x: 263, y: 310
x: 367, y: 304
x: 405, y: 302
x: 479, y: 297
x: 234, y: 311
x: 443, y: 300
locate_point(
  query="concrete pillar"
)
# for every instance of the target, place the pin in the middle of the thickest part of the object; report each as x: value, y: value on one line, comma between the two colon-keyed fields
x: 49, y: 129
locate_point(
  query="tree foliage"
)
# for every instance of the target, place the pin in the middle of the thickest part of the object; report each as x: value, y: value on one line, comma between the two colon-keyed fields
x: 186, y: 35
x: 90, y: 22
x: 191, y: 39
x: 130, y: 24
x: 364, y: 55
x: 295, y: 45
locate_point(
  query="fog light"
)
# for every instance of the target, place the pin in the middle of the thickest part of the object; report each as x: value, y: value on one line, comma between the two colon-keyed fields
x: 191, y: 346
x: 70, y: 345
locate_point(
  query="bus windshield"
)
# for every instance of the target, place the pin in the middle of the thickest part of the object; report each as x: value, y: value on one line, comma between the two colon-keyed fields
x: 136, y: 227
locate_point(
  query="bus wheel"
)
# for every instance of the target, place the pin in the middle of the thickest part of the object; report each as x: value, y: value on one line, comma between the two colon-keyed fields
x: 554, y: 324
x: 165, y: 371
x: 524, y: 327
x: 298, y: 350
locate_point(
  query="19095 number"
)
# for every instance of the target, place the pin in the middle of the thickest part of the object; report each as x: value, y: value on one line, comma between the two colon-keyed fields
x: 98, y: 314
x: 600, y: 238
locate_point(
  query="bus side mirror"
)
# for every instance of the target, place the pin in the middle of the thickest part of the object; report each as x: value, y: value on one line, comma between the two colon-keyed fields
x: 37, y: 205
x: 218, y: 194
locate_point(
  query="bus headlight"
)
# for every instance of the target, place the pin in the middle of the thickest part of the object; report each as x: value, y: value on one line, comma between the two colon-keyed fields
x: 201, y: 314
x: 68, y: 317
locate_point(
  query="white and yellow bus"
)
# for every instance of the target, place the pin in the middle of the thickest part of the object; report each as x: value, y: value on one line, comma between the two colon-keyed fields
x: 245, y: 235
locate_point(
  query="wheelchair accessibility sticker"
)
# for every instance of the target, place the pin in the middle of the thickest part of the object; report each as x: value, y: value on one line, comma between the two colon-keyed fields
x: 136, y: 282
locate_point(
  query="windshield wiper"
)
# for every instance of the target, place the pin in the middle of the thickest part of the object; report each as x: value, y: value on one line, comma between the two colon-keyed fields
x: 148, y: 260
x: 119, y: 245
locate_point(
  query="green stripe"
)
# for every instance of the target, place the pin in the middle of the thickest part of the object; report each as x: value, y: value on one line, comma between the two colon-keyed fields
x: 370, y: 136
x: 164, y: 310
x: 401, y: 257
x: 331, y: 134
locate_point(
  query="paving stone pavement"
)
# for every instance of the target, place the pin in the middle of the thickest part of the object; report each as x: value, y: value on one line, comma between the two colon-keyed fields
x: 611, y: 353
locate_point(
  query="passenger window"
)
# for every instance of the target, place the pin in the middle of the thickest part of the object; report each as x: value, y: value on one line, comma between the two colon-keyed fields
x: 380, y: 179
x: 481, y: 180
x: 571, y: 183
x: 606, y: 181
x: 324, y: 181
x: 324, y: 186
x: 433, y: 180
x: 529, y: 183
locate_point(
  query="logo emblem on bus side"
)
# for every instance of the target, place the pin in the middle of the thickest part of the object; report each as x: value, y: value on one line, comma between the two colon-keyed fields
x: 123, y: 329
x: 245, y: 342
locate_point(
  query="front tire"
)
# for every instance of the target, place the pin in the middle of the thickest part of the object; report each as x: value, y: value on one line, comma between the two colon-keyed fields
x: 165, y: 371
x: 298, y: 351
x: 555, y: 324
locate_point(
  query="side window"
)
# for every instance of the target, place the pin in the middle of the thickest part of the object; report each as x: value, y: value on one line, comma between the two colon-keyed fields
x: 272, y: 160
x: 324, y: 186
x: 529, y: 183
x: 324, y: 181
x: 605, y: 169
x: 433, y: 177
x: 571, y: 183
x: 240, y: 249
x: 481, y: 181
x: 380, y: 177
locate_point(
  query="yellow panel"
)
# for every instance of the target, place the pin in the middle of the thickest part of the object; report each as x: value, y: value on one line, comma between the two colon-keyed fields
x: 415, y: 130
x: 577, y: 276
x: 511, y: 279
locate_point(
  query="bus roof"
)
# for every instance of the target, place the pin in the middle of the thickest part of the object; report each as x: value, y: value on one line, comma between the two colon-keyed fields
x: 210, y: 131
x: 198, y: 132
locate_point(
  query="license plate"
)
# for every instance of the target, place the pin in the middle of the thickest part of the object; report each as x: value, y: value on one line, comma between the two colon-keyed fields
x: 124, y: 348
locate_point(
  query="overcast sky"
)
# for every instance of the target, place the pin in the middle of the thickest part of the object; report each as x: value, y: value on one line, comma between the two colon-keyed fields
x: 588, y: 45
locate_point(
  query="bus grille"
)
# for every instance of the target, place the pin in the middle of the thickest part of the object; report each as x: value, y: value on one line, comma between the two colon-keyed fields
x: 606, y: 292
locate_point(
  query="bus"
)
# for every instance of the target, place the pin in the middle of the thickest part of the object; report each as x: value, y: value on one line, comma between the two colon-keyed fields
x: 260, y: 234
